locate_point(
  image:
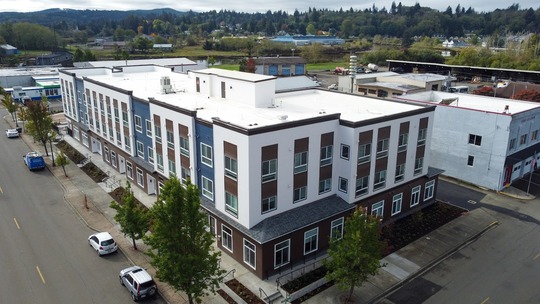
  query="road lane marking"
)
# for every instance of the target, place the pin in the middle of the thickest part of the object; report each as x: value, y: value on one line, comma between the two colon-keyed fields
x: 1, y: 191
x: 485, y: 301
x: 537, y: 256
x: 17, y: 223
x: 40, y: 275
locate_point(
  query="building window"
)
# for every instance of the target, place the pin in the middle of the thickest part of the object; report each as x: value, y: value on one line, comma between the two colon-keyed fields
x: 523, y: 139
x: 377, y: 209
x: 185, y: 175
x: 325, y: 185
x: 127, y: 143
x: 475, y: 140
x: 422, y: 136
x: 107, y: 157
x: 118, y: 138
x: 396, y: 203
x: 269, y: 204
x: 382, y: 148
x: 172, y: 166
x: 148, y: 128
x: 364, y: 153
x: 231, y: 167
x: 415, y: 196
x: 113, y: 159
x: 400, y: 173
x: 310, y: 240
x: 345, y: 151
x: 207, y: 188
x: 402, y: 142
x: 361, y: 186
x: 281, y: 253
x: 429, y: 190
x: 512, y: 144
x: 125, y: 118
x: 299, y: 194
x: 206, y: 154
x: 534, y: 135
x: 269, y: 168
x: 380, y: 180
x: 150, y: 155
x: 231, y: 203
x: 140, y: 179
x: 157, y: 130
x: 85, y: 139
x: 470, y: 161
x: 138, y: 124
x: 160, y: 163
x: 336, y: 229
x: 170, y: 139
x: 140, y: 149
x: 418, y: 165
x: 184, y: 146
x: 249, y: 253
x: 326, y: 155
x: 129, y: 170
x: 300, y: 162
x: 343, y: 184
x: 226, y: 238
x: 116, y: 115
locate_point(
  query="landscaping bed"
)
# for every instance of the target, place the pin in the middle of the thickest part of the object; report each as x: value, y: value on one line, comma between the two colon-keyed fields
x: 243, y: 292
x: 226, y: 297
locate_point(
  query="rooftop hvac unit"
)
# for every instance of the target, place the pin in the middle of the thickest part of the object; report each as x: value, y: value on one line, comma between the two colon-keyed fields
x: 165, y: 83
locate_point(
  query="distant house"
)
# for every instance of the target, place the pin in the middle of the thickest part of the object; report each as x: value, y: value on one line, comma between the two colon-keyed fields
x: 110, y: 45
x: 56, y: 58
x: 280, y: 66
x: 309, y: 39
x: 7, y: 50
x: 163, y: 47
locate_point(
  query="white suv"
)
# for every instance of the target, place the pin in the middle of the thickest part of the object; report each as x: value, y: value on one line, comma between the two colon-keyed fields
x: 138, y: 282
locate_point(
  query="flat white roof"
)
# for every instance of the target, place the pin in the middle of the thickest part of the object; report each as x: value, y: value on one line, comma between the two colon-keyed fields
x: 424, y: 77
x: 144, y: 82
x: 235, y: 74
x: 472, y: 101
x: 180, y: 61
x: 28, y: 71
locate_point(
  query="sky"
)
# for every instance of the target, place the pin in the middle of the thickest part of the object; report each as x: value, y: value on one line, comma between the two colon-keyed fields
x: 250, y: 6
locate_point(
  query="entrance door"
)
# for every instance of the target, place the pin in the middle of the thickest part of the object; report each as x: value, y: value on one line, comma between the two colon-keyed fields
x: 121, y: 164
x: 151, y: 184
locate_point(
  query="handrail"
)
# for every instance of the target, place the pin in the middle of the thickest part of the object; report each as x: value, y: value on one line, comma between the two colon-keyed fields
x: 261, y: 291
x: 230, y: 271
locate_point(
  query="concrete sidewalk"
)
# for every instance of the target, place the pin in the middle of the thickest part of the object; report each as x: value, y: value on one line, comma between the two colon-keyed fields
x: 90, y: 201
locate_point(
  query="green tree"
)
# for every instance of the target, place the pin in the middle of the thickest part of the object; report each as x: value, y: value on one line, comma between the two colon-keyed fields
x: 133, y: 219
x: 78, y: 55
x: 39, y: 121
x: 10, y: 106
x: 62, y: 160
x: 181, y: 248
x: 357, y: 255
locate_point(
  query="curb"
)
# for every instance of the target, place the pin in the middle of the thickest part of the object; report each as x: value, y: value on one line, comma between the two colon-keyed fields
x: 432, y: 264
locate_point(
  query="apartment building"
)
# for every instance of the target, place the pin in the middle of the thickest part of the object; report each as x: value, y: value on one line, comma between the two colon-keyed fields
x: 279, y: 169
x: 486, y: 141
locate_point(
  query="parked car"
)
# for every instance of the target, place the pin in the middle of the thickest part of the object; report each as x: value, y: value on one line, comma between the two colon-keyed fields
x: 333, y: 86
x: 11, y: 133
x: 103, y: 243
x: 138, y: 282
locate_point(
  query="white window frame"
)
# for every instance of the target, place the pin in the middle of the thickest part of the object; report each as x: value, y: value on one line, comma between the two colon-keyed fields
x: 325, y: 185
x: 311, y: 240
x: 422, y: 133
x: 418, y: 165
x: 361, y: 188
x: 148, y: 128
x: 129, y: 170
x: 185, y: 174
x: 208, y: 193
x: 150, y: 155
x: 231, y: 167
x: 429, y: 190
x: 114, y: 161
x: 326, y: 155
x: 377, y: 209
x: 403, y: 141
x: 125, y: 119
x: 85, y: 139
x: 250, y: 254
x: 380, y: 180
x: 397, y: 201
x: 170, y: 139
x: 282, y: 247
x: 159, y: 160
x: 302, y: 194
x: 157, y: 131
x: 140, y: 149
x: 345, y: 151
x: 230, y: 201
x: 475, y: 140
x: 184, y: 146
x: 171, y: 166
x: 400, y: 173
x: 205, y: 158
x: 107, y: 156
x: 382, y: 147
x: 415, y: 195
x: 226, y: 234
x: 470, y: 161
x: 138, y: 123
x: 300, y: 162
x: 343, y: 184
x: 271, y: 202
x: 364, y: 153
x: 140, y: 177
x: 269, y: 170
x: 336, y: 229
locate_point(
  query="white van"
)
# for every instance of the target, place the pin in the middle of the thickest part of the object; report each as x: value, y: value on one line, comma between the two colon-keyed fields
x: 458, y: 89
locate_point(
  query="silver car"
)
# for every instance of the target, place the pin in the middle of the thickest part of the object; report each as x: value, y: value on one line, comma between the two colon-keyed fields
x: 103, y: 243
x: 10, y: 133
x: 138, y: 282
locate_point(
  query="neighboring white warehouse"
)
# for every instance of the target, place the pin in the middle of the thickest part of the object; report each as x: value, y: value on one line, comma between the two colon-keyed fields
x: 486, y: 141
